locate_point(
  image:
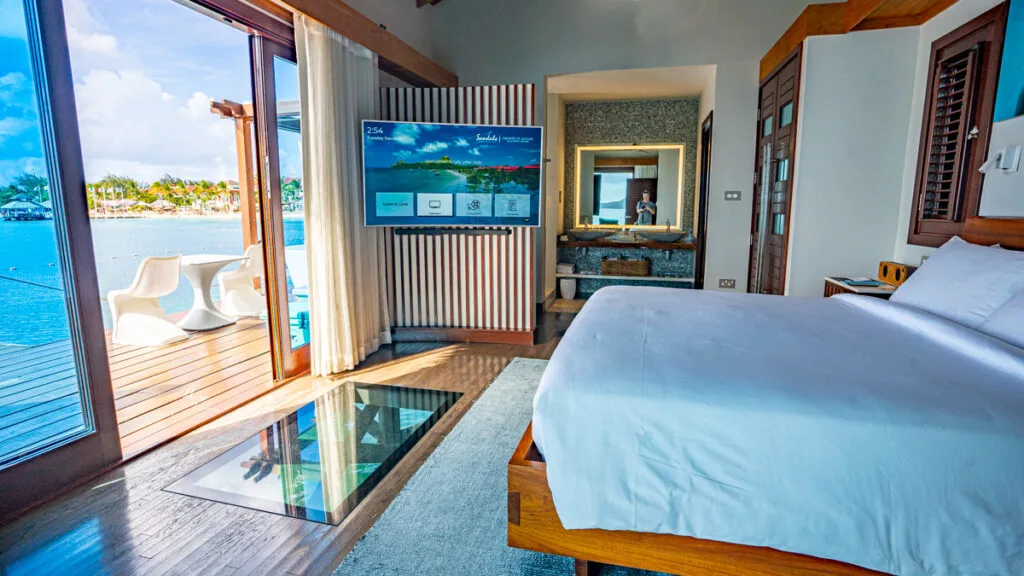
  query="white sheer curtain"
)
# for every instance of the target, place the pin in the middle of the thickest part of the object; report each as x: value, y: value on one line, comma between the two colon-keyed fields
x: 347, y: 297
x: 645, y: 172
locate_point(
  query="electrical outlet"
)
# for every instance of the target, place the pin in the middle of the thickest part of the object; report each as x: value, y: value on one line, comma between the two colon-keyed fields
x: 727, y: 283
x: 732, y: 195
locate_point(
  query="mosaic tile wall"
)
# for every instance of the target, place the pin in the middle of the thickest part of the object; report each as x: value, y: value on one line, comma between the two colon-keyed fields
x: 632, y: 122
x: 676, y: 263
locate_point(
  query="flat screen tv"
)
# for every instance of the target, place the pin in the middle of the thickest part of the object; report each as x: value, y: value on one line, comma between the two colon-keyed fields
x: 422, y: 174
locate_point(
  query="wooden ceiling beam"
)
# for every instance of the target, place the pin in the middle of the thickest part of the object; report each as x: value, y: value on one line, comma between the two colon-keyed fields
x: 859, y: 10
x: 851, y: 15
x: 815, y: 20
x: 396, y: 57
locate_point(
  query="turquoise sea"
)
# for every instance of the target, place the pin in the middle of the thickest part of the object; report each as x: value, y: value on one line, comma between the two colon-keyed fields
x: 32, y: 297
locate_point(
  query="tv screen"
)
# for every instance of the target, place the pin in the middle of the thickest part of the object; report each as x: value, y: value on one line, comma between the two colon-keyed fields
x: 420, y: 174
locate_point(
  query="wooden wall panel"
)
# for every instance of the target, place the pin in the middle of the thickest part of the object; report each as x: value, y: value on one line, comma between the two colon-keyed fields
x: 452, y: 280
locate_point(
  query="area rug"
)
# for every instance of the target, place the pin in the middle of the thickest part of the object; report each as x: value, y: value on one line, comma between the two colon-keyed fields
x: 450, y: 517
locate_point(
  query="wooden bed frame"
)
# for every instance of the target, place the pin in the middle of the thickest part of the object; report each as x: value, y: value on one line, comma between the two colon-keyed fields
x: 533, y: 523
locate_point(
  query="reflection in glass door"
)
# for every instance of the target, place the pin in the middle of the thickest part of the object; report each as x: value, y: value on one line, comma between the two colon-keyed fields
x: 289, y: 154
x: 280, y: 167
x: 56, y: 407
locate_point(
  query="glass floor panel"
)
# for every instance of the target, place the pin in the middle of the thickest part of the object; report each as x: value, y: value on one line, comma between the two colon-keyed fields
x: 320, y: 461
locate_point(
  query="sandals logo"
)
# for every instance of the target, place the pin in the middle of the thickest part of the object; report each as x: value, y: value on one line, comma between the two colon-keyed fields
x: 489, y: 137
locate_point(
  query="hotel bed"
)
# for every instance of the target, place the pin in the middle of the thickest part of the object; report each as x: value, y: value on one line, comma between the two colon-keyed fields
x: 719, y: 433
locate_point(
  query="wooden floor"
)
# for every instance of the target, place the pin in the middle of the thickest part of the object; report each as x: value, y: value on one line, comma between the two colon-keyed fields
x: 123, y: 523
x: 159, y: 392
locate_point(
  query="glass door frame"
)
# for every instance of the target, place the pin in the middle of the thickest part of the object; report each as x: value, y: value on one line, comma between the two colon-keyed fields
x: 288, y: 362
x: 53, y: 468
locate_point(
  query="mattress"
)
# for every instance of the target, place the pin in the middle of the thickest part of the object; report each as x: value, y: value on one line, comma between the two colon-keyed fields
x: 846, y: 428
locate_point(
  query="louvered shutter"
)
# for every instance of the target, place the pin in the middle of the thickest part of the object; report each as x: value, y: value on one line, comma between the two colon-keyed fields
x: 952, y: 110
x: 956, y: 128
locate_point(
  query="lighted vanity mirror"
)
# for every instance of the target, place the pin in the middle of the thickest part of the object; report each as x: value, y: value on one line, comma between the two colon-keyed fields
x: 634, y: 186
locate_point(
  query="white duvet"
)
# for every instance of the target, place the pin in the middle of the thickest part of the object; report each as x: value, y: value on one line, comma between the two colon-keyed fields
x: 846, y: 428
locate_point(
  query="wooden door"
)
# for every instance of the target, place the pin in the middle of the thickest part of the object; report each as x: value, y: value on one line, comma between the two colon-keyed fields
x: 635, y: 189
x: 773, y: 190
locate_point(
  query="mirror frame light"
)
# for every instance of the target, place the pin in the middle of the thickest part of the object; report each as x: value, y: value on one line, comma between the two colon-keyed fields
x: 577, y: 223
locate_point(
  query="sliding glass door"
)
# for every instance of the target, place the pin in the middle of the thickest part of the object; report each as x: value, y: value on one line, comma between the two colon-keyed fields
x: 57, y: 421
x: 279, y: 125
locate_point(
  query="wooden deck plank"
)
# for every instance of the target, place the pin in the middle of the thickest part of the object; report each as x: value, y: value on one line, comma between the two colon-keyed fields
x: 132, y: 392
x: 200, y: 387
x: 195, y: 416
x: 162, y: 363
x: 188, y: 383
x: 226, y: 383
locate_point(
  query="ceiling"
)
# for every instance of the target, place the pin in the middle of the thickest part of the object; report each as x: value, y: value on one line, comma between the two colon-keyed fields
x: 633, y: 84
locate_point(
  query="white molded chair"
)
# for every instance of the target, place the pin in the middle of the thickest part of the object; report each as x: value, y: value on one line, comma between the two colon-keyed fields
x: 237, y: 295
x: 138, y: 318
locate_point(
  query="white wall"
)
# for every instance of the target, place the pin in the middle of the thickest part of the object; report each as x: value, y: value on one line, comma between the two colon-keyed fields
x: 497, y: 42
x: 852, y: 129
x: 732, y: 168
x: 668, y: 187
x: 707, y: 105
x: 1003, y: 194
x: 403, y: 19
x: 554, y: 181
x: 956, y: 16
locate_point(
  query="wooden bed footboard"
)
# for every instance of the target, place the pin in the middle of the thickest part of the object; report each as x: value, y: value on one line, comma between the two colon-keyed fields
x: 533, y: 524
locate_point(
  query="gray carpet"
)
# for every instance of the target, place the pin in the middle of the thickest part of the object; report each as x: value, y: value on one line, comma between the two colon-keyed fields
x: 450, y: 517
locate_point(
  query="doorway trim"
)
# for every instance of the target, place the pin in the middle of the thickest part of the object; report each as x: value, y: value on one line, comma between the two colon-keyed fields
x: 703, y: 195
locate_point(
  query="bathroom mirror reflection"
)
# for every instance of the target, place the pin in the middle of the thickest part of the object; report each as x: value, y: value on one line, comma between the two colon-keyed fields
x: 634, y: 186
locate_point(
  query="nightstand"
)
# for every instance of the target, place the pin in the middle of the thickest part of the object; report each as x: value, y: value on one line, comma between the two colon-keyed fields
x: 835, y: 285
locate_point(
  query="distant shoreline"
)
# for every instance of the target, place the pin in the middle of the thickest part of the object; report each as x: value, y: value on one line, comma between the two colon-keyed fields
x: 158, y: 216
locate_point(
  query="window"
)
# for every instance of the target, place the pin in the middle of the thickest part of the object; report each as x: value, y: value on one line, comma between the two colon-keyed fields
x: 955, y: 132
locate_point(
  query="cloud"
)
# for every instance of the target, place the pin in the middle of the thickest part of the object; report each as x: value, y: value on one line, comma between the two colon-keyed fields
x: 9, y: 168
x: 474, y: 151
x: 131, y: 126
x: 406, y: 134
x: 403, y: 154
x: 433, y: 147
x: 461, y: 142
x: 11, y: 126
x: 88, y: 41
x: 16, y: 92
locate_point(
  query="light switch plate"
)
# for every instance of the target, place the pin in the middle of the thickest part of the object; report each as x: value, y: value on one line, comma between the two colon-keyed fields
x: 732, y: 195
x: 727, y: 283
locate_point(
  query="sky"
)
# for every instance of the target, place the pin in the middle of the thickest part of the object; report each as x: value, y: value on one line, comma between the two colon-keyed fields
x: 144, y: 72
x: 388, y: 143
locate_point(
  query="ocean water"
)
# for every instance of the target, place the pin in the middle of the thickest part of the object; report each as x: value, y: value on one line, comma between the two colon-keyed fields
x: 32, y: 294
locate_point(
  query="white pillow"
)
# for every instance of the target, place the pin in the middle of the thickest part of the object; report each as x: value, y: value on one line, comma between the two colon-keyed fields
x: 964, y: 282
x: 1007, y: 323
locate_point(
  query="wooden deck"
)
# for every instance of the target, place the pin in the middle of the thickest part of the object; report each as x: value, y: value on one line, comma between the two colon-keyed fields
x: 159, y: 392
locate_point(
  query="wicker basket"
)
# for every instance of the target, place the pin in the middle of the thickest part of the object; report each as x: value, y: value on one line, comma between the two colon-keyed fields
x: 611, y: 267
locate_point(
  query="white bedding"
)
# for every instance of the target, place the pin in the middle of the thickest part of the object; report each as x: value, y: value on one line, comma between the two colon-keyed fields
x: 846, y: 428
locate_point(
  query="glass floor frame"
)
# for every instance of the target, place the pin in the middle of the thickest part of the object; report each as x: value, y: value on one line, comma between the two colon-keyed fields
x: 320, y: 461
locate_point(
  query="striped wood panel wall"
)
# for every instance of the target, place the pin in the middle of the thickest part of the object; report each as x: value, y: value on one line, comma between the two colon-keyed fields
x: 452, y: 280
